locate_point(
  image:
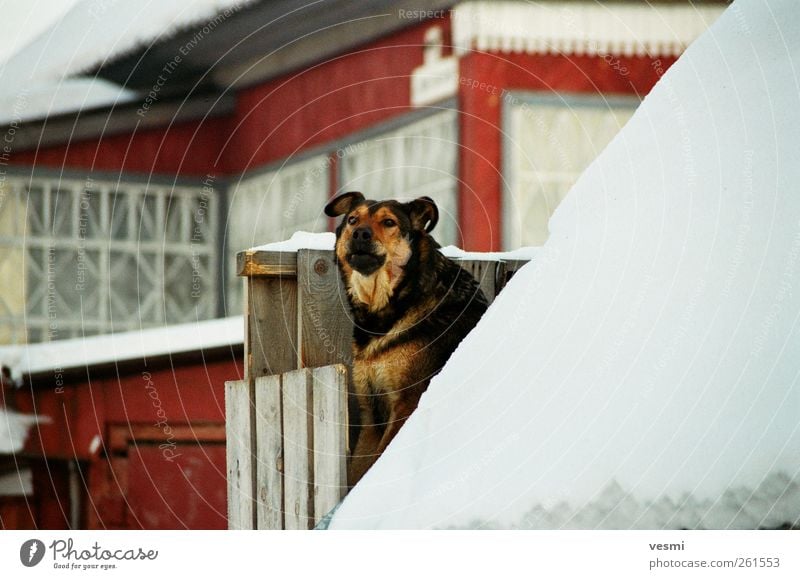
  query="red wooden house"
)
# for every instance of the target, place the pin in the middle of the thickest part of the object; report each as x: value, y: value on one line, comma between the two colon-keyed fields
x: 133, y: 428
x: 132, y: 173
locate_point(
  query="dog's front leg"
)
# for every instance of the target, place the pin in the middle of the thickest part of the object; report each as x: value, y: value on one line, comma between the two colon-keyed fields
x: 399, y: 412
x: 366, y: 450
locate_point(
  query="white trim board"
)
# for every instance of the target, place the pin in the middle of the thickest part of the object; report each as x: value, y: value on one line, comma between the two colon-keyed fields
x: 593, y: 28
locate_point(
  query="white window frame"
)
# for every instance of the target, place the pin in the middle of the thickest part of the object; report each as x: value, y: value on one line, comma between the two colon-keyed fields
x: 511, y: 232
x: 195, y: 240
x: 270, y: 194
x: 393, y: 132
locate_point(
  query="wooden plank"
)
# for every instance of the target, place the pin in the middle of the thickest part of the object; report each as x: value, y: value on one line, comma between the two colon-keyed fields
x: 326, y: 329
x: 297, y: 456
x: 271, y: 326
x: 255, y: 263
x: 512, y: 265
x: 330, y: 438
x: 239, y: 453
x: 269, y: 453
x: 500, y: 278
x: 249, y: 324
x: 485, y: 273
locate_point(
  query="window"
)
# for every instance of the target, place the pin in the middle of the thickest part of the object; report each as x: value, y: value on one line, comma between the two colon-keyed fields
x: 270, y: 207
x: 549, y: 142
x: 89, y: 257
x: 415, y: 160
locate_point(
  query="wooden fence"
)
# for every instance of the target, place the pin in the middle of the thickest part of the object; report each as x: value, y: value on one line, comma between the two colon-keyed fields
x: 287, y: 420
x: 287, y: 450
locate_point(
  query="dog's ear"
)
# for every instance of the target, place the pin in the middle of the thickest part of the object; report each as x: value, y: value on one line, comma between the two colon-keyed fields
x: 423, y: 213
x: 343, y: 203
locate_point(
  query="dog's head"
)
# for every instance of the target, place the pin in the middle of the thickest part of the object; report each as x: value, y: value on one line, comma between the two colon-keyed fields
x: 376, y: 236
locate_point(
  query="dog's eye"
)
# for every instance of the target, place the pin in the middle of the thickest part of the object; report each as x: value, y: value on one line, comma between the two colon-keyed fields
x: 352, y: 220
x: 389, y: 223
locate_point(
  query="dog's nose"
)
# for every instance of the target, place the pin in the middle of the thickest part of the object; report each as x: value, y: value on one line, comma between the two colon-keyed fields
x: 362, y: 234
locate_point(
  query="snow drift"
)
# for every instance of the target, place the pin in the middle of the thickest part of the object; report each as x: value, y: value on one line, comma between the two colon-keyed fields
x: 642, y: 372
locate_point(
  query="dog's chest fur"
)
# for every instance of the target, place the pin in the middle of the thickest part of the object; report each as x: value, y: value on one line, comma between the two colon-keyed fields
x: 375, y: 291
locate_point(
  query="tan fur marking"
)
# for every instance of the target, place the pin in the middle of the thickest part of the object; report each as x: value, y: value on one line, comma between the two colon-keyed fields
x: 378, y: 288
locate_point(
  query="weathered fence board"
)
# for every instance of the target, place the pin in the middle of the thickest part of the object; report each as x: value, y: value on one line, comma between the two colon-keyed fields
x: 294, y: 471
x: 490, y: 275
x: 239, y: 444
x: 298, y: 465
x: 326, y: 330
x: 330, y: 438
x: 268, y: 453
x: 271, y: 326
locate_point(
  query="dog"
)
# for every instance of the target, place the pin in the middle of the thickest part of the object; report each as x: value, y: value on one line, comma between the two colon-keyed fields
x: 411, y: 307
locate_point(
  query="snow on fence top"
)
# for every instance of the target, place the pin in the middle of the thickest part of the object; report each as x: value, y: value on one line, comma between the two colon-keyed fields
x: 305, y: 240
x: 30, y: 359
x: 643, y: 371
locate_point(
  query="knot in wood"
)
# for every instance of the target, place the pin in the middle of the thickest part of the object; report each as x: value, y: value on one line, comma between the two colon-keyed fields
x: 321, y: 267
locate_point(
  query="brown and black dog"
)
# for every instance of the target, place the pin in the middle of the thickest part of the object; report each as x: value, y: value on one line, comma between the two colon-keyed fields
x: 411, y: 307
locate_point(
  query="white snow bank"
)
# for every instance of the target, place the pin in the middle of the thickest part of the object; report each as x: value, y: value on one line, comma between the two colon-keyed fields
x: 14, y: 429
x: 91, y: 33
x: 643, y: 370
x: 135, y: 345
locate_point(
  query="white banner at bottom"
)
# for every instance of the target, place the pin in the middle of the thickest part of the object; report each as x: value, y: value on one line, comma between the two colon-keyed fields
x: 390, y: 554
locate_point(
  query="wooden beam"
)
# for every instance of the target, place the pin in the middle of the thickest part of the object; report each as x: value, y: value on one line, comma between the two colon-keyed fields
x: 256, y: 263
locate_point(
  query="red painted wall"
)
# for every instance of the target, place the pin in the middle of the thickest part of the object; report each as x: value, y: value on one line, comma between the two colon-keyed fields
x: 191, y: 148
x: 272, y: 121
x: 328, y: 101
x: 161, y: 463
x: 480, y: 193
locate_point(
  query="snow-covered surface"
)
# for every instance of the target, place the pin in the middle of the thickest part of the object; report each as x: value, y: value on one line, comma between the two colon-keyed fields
x: 301, y: 240
x: 14, y: 430
x: 44, y: 77
x: 643, y: 370
x: 522, y: 253
x: 135, y: 345
x: 24, y: 21
x: 41, y: 99
x: 305, y: 240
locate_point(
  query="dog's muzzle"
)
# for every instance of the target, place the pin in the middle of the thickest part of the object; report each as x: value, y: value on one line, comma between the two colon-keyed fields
x: 361, y: 255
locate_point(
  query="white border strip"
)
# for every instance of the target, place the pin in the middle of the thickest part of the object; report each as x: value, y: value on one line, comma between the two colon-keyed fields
x: 579, y: 28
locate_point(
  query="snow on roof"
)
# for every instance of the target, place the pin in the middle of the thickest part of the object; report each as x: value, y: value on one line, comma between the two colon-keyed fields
x: 44, y: 77
x: 82, y: 352
x: 14, y: 429
x: 645, y: 374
